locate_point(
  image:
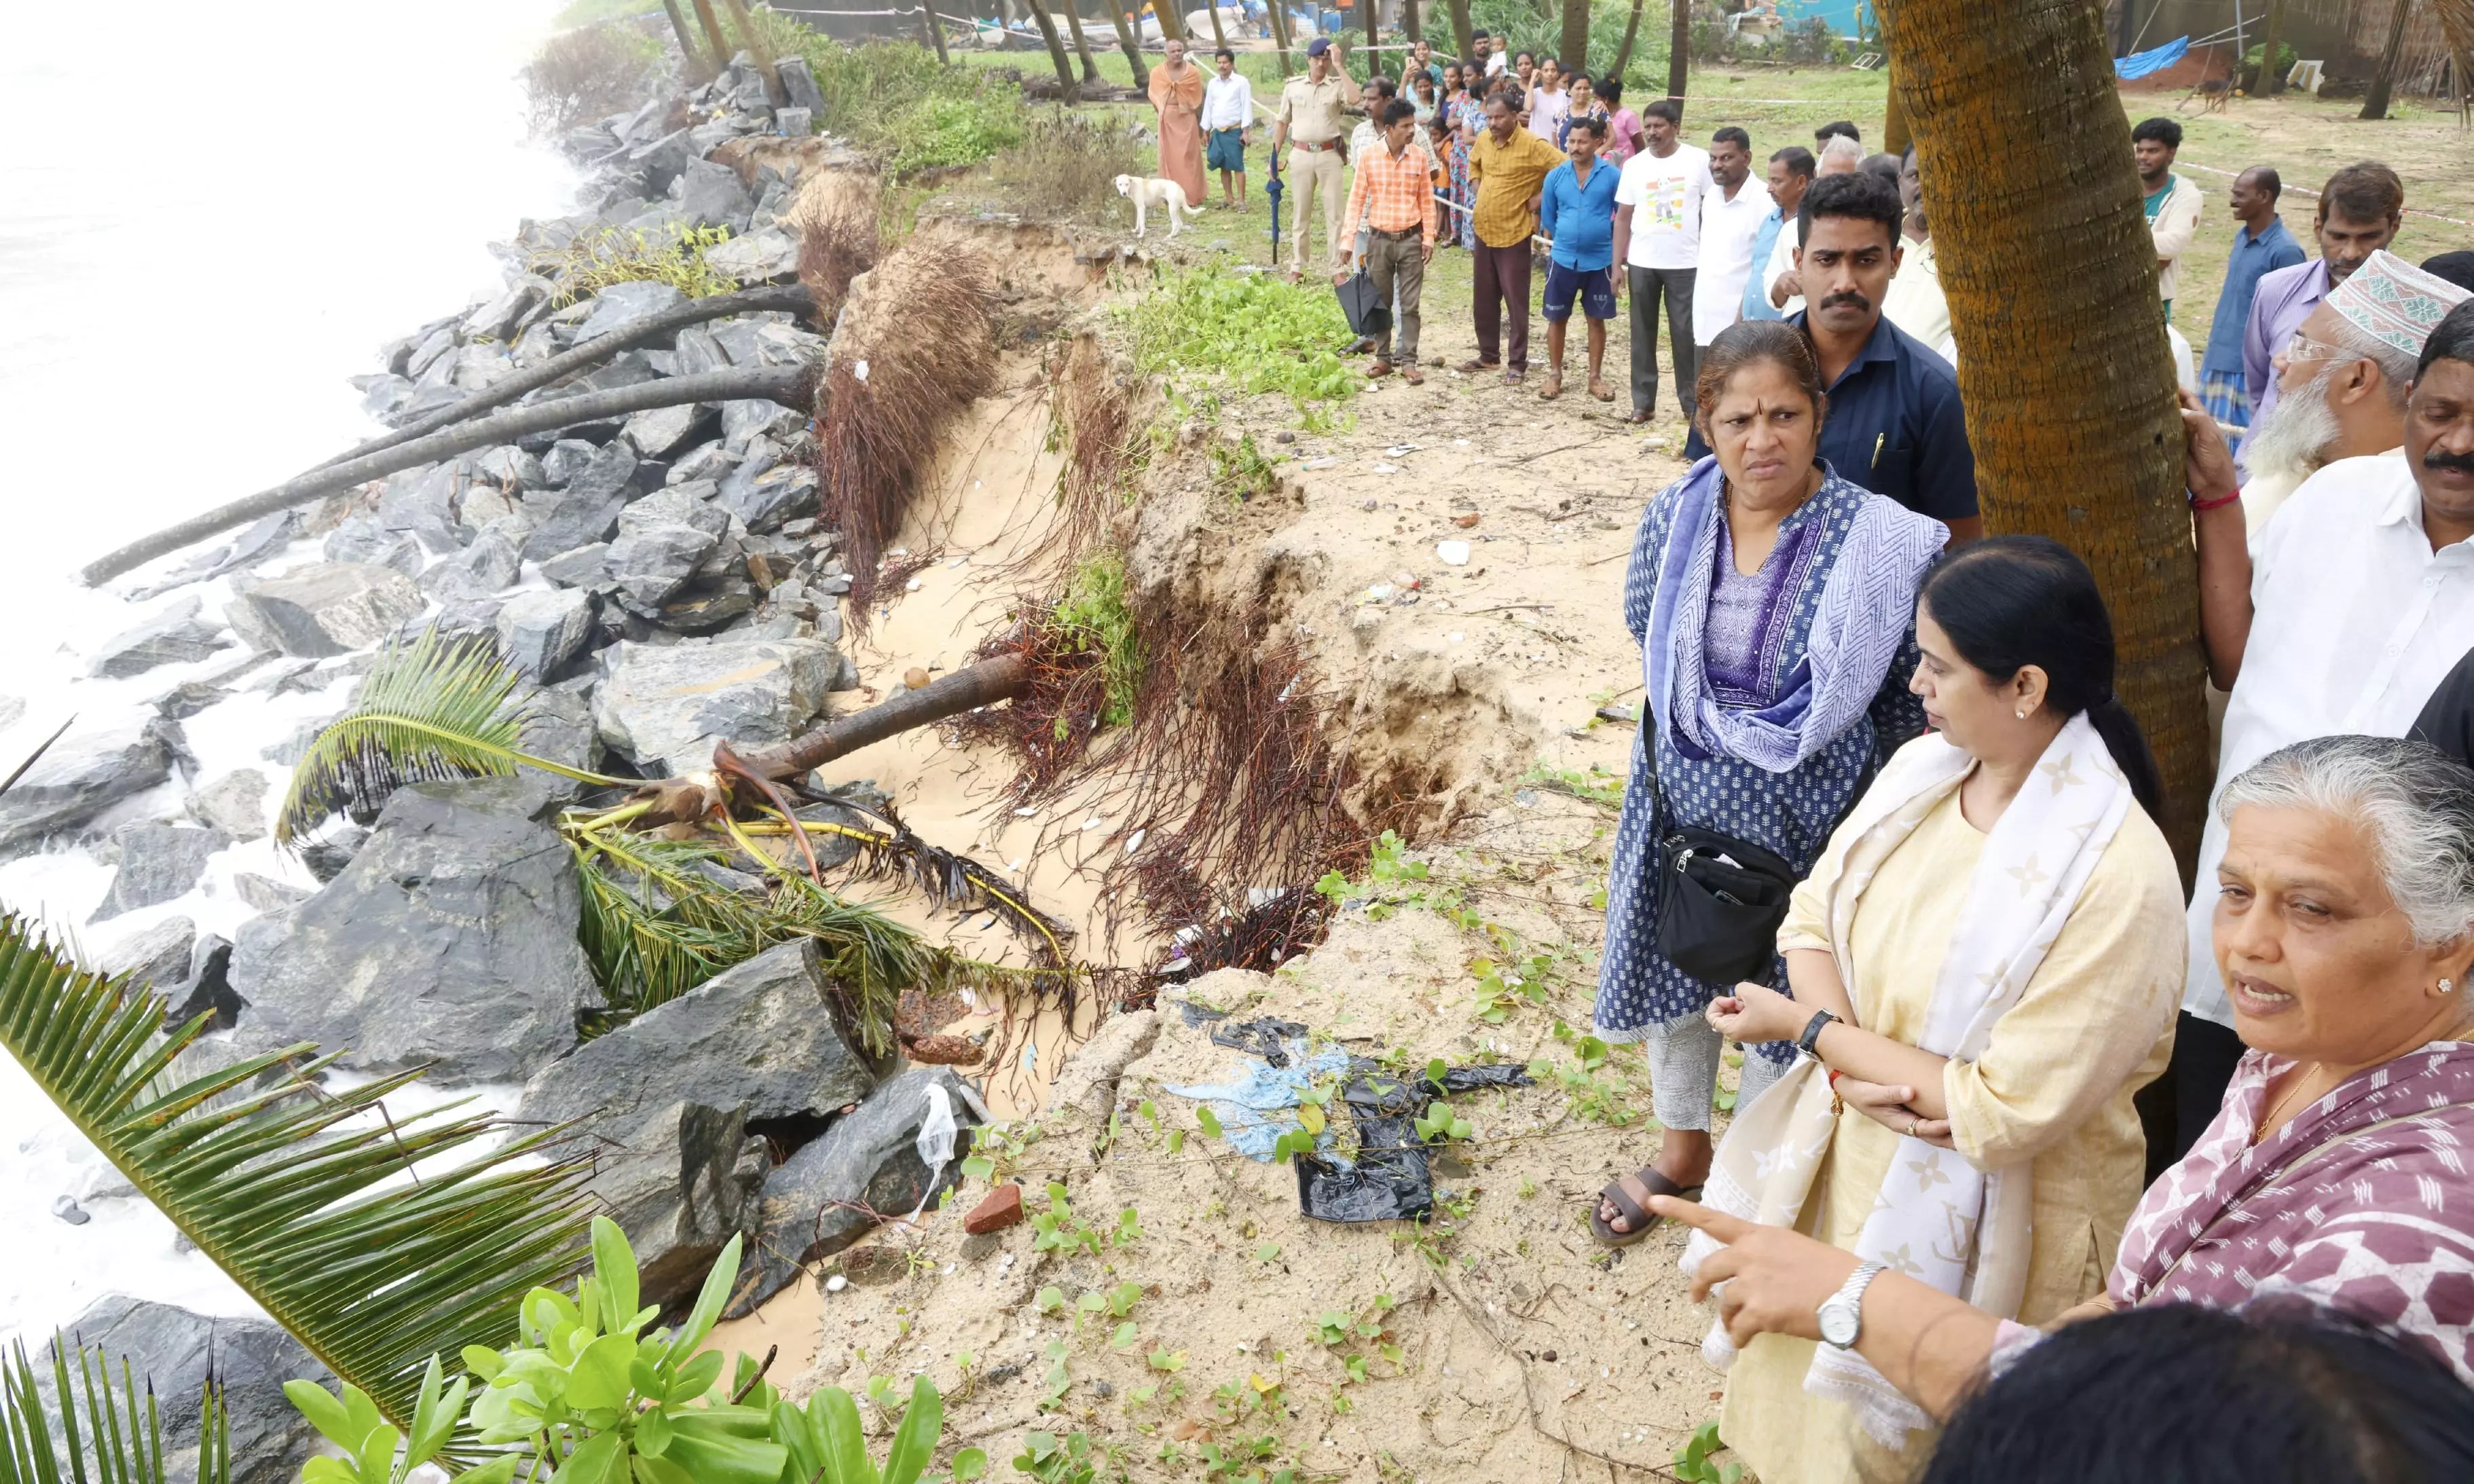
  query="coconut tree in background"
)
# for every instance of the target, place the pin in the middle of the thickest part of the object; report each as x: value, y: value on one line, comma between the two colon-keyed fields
x: 1465, y: 29
x: 1373, y: 57
x: 1895, y: 133
x: 2376, y: 103
x: 1126, y: 42
x: 1082, y: 46
x: 2271, y: 77
x: 1632, y: 28
x: 757, y: 52
x: 1410, y: 25
x: 1678, y: 55
x: 711, y: 25
x: 699, y: 70
x: 1066, y: 87
x: 1277, y: 10
x: 1576, y: 36
x: 2052, y: 277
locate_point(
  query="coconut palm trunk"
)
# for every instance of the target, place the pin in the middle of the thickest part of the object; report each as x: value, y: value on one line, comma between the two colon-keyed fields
x: 1125, y: 41
x: 757, y: 52
x: 1067, y: 89
x: 1411, y: 26
x: 1219, y: 37
x: 711, y: 24
x: 1171, y: 24
x: 1895, y: 133
x: 1465, y: 29
x: 1576, y: 38
x: 1632, y: 30
x: 1277, y: 11
x: 2376, y: 103
x: 2271, y: 77
x: 698, y: 67
x: 935, y: 29
x: 1679, y: 49
x: 2069, y: 384
x: 1373, y: 57
x: 1082, y: 46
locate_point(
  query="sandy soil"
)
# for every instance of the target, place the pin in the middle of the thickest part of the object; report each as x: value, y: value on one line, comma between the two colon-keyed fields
x: 1525, y: 1351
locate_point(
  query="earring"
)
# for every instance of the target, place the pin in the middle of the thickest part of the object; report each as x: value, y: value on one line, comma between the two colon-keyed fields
x: 2022, y: 715
x: 2447, y: 986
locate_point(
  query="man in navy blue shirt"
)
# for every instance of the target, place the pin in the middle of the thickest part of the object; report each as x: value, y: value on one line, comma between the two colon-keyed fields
x: 1894, y: 424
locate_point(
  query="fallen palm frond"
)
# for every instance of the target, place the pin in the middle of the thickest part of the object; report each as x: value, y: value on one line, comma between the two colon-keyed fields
x: 119, y: 1440
x: 836, y: 214
x: 891, y: 384
x: 434, y: 709
x: 297, y: 1193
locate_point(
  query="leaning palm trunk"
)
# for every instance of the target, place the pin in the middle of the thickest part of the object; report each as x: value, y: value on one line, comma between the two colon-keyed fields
x: 1219, y: 37
x: 2457, y: 24
x: 698, y: 67
x: 1125, y: 41
x: 757, y: 51
x: 2026, y: 153
x: 1895, y: 136
x: 2375, y: 104
x: 792, y: 386
x: 1067, y: 90
x: 1576, y: 36
x: 1279, y: 12
x: 1632, y: 30
x: 1081, y: 47
x: 712, y: 33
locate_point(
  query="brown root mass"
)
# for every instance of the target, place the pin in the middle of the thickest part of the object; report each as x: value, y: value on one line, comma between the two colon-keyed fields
x: 837, y: 217
x: 914, y: 347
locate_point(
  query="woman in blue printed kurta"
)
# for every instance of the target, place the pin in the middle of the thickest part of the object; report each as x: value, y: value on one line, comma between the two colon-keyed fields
x: 1771, y: 695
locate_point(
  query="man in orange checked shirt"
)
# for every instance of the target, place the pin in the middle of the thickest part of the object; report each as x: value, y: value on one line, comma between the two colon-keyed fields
x: 1394, y: 195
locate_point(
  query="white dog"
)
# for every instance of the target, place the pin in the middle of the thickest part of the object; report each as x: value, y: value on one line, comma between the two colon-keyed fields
x: 1156, y: 192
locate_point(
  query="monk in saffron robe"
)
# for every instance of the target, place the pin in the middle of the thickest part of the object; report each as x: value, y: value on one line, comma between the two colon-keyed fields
x: 1177, y: 92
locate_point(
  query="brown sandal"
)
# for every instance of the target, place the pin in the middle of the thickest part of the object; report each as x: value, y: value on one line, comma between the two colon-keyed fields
x: 1553, y: 388
x: 1630, y: 1196
x: 1473, y: 365
x: 1600, y: 390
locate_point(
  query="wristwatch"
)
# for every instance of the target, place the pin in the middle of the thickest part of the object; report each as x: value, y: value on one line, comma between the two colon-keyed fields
x: 1842, y: 1313
x: 1809, y: 1042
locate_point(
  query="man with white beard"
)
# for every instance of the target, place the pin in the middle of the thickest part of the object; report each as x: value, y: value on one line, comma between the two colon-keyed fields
x: 2341, y: 382
x: 2342, y: 616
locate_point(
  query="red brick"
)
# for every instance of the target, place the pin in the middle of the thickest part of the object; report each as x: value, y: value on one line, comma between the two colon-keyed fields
x: 1001, y: 1208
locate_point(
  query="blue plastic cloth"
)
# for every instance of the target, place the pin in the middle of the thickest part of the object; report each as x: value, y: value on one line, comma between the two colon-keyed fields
x: 2138, y: 65
x: 1253, y: 1110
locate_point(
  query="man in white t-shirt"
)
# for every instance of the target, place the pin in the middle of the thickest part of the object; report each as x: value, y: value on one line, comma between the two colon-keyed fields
x: 1658, y: 239
x: 1731, y: 214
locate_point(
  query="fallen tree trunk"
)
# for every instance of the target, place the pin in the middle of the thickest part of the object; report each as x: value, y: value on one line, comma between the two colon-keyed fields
x: 598, y: 349
x: 972, y: 685
x: 792, y: 386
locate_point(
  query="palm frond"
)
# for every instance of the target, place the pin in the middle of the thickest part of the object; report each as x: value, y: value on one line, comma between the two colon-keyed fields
x: 121, y: 1438
x: 434, y: 708
x: 310, y: 1200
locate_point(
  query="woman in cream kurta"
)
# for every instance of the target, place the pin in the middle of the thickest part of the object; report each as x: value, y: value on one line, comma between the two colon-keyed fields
x: 2052, y: 1089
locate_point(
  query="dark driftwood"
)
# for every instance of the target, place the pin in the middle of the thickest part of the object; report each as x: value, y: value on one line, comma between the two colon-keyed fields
x: 792, y: 386
x: 593, y: 351
x: 972, y: 685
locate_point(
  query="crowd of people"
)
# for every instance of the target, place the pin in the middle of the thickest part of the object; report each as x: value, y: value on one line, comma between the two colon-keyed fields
x: 2018, y: 1112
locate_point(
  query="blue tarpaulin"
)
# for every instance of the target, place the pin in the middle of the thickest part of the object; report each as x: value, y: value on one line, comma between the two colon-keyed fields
x: 2138, y: 65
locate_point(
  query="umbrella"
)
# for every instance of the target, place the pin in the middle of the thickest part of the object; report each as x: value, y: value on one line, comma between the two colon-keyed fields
x: 1272, y: 190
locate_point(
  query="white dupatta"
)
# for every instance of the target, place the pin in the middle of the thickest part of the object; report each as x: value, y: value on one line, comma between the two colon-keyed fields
x: 1938, y: 1218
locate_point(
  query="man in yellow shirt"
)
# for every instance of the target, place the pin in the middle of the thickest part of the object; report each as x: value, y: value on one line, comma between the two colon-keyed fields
x: 1309, y: 125
x: 1509, y: 166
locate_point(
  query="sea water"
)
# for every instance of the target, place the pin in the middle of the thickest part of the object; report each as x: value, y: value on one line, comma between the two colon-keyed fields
x: 210, y: 216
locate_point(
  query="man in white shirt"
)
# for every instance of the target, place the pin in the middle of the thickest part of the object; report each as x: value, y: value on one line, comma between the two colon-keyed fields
x: 1915, y: 302
x: 2356, y: 604
x: 1731, y: 218
x: 1227, y: 126
x: 1658, y: 238
x: 2341, y: 380
x: 2171, y: 202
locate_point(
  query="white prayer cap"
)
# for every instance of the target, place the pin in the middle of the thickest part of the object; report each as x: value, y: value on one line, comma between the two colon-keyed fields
x: 2394, y: 303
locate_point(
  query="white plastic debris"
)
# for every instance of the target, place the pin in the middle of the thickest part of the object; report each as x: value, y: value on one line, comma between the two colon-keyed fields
x: 913, y: 585
x: 1452, y: 554
x: 1025, y: 814
x: 1325, y: 462
x: 936, y: 1131
x: 1399, y: 449
x: 1134, y: 842
x: 836, y: 1283
x: 1093, y: 823
x: 1387, y: 469
x: 859, y: 371
x: 1455, y: 636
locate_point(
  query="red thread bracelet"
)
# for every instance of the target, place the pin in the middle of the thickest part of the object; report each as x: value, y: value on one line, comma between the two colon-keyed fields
x: 1833, y: 1079
x: 2220, y: 501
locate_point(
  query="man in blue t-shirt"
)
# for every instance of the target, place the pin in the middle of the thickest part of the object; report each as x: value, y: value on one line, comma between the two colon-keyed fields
x: 2261, y: 247
x: 1576, y: 210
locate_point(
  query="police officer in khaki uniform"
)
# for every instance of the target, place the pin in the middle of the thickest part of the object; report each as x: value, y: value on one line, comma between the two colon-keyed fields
x: 1310, y: 124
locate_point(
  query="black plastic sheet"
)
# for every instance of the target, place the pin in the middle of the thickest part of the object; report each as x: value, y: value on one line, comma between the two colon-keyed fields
x: 1391, y: 1179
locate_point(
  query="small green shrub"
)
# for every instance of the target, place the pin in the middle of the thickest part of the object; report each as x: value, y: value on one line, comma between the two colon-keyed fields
x: 1095, y: 617
x: 1257, y: 330
x: 588, y: 265
x: 943, y: 129
x: 1066, y: 165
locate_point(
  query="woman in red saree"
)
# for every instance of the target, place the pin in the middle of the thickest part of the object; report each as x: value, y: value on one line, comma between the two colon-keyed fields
x: 2337, y: 1168
x: 1177, y: 92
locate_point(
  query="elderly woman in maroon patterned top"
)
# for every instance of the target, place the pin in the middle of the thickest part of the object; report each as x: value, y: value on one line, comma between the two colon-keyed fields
x: 2338, y: 1165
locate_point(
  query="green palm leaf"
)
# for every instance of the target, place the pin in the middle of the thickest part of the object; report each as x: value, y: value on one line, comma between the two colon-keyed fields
x: 310, y: 1200
x: 121, y: 1439
x: 435, y: 708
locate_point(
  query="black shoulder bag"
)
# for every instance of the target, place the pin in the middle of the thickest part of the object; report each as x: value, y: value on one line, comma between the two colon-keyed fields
x: 1720, y: 899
